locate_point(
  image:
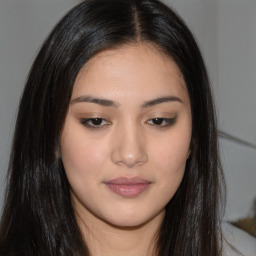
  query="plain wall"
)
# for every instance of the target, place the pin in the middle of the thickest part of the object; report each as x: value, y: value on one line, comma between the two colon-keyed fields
x: 236, y: 100
x: 225, y: 30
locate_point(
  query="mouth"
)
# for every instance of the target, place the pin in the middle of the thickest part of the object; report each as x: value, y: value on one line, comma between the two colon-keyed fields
x: 128, y: 187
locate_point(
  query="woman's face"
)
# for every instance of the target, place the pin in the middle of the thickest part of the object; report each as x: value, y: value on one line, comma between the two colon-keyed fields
x: 126, y: 136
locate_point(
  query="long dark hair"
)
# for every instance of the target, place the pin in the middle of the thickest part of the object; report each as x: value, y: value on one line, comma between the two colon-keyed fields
x: 38, y: 216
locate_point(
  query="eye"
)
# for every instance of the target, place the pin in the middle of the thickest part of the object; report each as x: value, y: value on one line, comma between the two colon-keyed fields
x: 94, y: 123
x: 162, y: 122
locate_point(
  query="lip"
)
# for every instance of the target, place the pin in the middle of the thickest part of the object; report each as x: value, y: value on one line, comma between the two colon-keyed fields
x: 128, y: 187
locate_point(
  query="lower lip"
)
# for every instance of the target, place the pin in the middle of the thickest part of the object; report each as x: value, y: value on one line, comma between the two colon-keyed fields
x: 128, y: 190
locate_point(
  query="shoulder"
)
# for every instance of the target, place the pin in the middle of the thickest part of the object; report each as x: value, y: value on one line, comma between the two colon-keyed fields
x: 239, y: 240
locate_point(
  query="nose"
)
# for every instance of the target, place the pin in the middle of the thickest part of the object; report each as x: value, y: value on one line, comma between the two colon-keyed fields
x: 129, y: 147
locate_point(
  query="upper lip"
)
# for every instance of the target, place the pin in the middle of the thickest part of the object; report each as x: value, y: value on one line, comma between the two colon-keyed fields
x: 127, y: 181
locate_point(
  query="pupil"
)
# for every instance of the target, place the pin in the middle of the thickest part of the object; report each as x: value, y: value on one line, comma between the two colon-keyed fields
x: 158, y: 121
x: 96, y: 121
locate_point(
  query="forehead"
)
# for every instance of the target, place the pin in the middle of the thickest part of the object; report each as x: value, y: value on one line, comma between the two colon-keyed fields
x: 132, y: 69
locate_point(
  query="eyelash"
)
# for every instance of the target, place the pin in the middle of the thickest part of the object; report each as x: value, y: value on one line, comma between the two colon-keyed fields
x: 88, y: 122
x: 168, y: 121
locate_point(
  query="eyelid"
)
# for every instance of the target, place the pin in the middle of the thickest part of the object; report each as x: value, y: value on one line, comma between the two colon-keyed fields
x: 168, y: 121
x: 85, y: 122
x: 96, y: 121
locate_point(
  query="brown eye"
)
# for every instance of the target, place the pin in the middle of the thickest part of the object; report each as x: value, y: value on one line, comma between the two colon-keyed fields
x: 94, y: 123
x: 162, y: 122
x: 158, y: 121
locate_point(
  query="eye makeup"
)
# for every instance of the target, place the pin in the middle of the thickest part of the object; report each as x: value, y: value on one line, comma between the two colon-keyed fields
x: 95, y: 123
x: 162, y: 122
x: 101, y: 123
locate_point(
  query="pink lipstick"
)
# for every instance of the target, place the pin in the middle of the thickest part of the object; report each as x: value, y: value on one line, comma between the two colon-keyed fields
x: 128, y: 187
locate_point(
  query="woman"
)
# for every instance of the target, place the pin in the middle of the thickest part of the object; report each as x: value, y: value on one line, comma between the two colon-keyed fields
x: 115, y: 148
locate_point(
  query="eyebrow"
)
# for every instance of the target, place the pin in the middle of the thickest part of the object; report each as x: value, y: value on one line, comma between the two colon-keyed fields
x: 99, y: 101
x: 110, y: 103
x: 159, y: 100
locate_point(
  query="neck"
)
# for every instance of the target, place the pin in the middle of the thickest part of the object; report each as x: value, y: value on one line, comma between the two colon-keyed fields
x: 104, y: 239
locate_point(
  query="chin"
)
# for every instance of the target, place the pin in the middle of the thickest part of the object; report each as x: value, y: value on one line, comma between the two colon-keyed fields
x: 134, y: 221
x: 127, y: 224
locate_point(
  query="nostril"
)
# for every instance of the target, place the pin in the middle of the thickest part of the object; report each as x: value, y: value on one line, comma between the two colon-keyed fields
x: 129, y: 147
x: 129, y: 158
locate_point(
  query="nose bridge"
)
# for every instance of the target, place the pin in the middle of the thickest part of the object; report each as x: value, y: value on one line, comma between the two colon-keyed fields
x: 130, y: 145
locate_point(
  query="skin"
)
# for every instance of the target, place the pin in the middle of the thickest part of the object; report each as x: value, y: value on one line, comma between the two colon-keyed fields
x: 128, y: 141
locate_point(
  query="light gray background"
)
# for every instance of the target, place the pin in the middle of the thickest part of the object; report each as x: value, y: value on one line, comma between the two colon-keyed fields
x: 226, y: 32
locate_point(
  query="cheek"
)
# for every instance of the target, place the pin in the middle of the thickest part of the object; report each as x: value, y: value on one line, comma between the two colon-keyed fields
x: 83, y: 163
x: 172, y: 153
x: 171, y: 161
x: 81, y: 156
